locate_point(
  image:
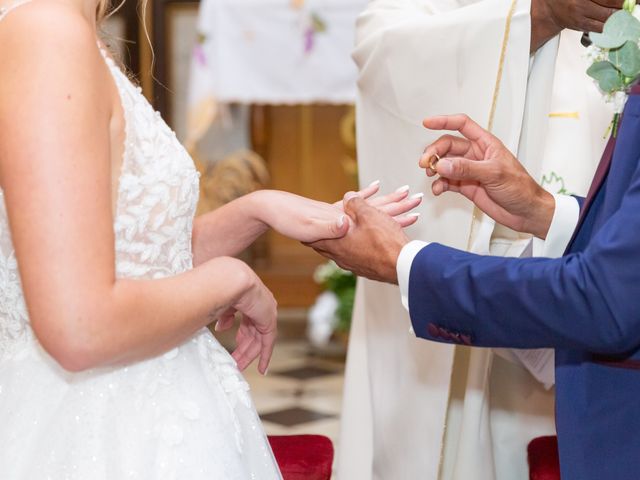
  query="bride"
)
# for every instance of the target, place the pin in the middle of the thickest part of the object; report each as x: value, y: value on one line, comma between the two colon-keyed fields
x: 107, y: 282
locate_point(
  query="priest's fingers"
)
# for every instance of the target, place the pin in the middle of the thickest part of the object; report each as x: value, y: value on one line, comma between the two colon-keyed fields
x: 457, y: 168
x: 460, y: 122
x: 599, y: 13
x: 614, y: 4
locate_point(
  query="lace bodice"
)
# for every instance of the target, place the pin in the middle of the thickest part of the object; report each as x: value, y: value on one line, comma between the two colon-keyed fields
x: 157, y: 197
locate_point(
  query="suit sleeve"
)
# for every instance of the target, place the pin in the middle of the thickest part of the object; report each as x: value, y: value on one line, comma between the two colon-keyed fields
x: 586, y: 301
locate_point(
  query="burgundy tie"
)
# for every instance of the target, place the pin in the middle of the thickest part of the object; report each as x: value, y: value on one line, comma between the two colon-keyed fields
x: 601, y: 173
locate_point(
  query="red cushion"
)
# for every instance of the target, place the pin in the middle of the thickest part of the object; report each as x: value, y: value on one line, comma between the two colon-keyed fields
x: 303, y: 457
x: 544, y: 463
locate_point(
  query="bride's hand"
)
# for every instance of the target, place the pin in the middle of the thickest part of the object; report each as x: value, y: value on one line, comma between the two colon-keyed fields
x: 396, y: 204
x: 258, y: 325
x: 309, y: 220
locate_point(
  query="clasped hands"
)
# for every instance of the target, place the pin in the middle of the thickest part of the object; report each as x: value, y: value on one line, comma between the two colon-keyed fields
x: 365, y: 234
x: 476, y: 165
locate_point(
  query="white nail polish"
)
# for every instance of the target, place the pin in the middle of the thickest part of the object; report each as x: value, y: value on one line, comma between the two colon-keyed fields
x: 341, y: 221
x: 415, y: 214
x: 374, y: 184
x: 417, y: 195
x: 403, y: 189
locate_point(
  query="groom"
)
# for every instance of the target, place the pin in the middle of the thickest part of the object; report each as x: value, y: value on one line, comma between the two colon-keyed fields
x: 585, y: 304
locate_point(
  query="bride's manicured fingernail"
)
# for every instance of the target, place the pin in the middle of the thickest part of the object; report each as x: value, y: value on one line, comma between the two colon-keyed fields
x: 417, y: 195
x: 341, y: 221
x: 216, y: 327
x: 414, y: 214
x: 403, y: 189
x: 374, y: 184
x: 265, y: 372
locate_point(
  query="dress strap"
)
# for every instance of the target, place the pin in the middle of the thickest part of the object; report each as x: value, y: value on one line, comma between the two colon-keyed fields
x: 5, y: 9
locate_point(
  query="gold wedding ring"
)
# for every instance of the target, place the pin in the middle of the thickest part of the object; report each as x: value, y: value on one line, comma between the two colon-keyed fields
x: 433, y: 163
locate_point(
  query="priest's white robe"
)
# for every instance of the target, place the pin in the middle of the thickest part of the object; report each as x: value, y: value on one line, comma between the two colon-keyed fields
x: 420, y: 410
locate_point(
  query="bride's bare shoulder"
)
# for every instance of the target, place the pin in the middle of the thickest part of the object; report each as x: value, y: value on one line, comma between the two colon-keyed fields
x: 45, y: 30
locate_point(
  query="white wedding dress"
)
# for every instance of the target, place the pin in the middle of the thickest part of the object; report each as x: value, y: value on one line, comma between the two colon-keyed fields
x: 184, y: 415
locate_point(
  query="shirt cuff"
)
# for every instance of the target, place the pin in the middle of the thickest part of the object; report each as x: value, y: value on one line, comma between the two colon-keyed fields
x: 563, y: 224
x: 403, y: 268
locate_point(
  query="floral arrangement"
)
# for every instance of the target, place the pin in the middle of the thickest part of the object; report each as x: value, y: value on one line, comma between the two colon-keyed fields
x: 333, y: 308
x: 615, y: 54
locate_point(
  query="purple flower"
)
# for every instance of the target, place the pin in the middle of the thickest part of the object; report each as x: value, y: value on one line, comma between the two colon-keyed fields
x: 199, y: 55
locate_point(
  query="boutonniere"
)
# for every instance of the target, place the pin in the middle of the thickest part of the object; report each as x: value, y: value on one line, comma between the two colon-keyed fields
x: 615, y: 54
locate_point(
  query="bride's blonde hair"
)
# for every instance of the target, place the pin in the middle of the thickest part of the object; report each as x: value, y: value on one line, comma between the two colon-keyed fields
x: 101, y: 11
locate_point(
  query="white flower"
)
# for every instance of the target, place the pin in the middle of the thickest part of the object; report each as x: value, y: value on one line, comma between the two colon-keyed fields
x: 594, y: 54
x: 636, y: 12
x: 322, y: 319
x: 618, y: 100
x: 327, y: 270
x: 324, y: 271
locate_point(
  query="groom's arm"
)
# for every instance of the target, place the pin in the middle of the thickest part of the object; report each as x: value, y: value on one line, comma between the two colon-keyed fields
x: 563, y: 224
x: 582, y: 301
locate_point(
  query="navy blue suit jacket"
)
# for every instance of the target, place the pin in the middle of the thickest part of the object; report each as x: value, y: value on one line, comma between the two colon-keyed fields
x: 586, y: 305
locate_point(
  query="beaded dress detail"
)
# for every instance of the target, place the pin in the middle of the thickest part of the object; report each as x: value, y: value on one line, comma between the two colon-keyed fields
x: 184, y: 415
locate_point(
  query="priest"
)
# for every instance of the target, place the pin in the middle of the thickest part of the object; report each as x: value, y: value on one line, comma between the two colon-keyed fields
x: 422, y: 410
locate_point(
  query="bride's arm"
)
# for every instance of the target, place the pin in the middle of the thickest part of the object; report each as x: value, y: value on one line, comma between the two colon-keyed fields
x: 230, y: 229
x: 56, y: 101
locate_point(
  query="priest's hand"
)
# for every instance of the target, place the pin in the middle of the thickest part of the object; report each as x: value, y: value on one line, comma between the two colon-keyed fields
x: 482, y: 169
x: 550, y: 17
x: 372, y: 246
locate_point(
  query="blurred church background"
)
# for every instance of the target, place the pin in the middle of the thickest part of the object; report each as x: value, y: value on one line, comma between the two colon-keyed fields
x: 257, y: 113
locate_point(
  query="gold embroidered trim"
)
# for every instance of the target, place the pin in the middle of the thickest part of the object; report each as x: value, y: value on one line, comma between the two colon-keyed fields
x: 575, y: 115
x: 503, y: 54
x: 476, y: 211
x: 494, y: 101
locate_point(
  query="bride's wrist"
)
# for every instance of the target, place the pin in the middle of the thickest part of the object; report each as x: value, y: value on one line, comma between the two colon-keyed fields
x: 259, y: 207
x: 264, y: 207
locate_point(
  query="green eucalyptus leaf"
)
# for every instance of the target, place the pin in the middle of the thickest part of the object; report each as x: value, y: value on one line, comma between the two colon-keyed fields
x: 629, y: 5
x: 627, y: 59
x: 608, y: 77
x: 619, y: 28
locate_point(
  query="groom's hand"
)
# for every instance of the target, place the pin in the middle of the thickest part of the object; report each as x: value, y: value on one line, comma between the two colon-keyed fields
x: 550, y: 17
x: 372, y: 246
x: 482, y: 169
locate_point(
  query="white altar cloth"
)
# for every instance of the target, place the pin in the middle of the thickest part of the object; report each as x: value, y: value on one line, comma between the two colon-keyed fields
x: 272, y: 52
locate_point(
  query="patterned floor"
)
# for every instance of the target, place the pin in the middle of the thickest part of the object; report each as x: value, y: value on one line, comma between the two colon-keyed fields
x: 302, y: 392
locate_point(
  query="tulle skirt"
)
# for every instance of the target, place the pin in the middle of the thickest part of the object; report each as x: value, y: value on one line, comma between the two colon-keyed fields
x: 184, y: 415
